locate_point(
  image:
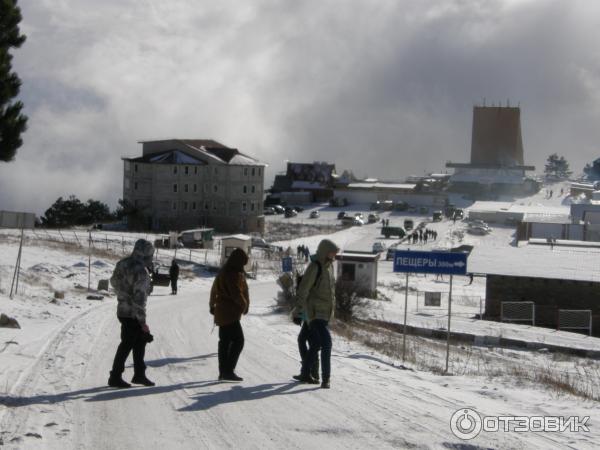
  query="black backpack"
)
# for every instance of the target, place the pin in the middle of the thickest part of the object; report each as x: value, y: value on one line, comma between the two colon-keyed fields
x: 319, y: 270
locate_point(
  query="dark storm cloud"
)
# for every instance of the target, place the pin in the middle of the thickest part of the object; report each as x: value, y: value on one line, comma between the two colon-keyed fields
x: 381, y: 87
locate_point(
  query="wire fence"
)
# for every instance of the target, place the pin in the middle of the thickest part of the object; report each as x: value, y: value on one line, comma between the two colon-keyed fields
x: 121, y: 244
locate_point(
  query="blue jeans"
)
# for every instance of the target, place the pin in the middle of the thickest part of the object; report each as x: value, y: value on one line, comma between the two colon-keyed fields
x: 319, y: 339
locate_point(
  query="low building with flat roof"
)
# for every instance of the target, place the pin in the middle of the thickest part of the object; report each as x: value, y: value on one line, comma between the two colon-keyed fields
x: 555, y: 276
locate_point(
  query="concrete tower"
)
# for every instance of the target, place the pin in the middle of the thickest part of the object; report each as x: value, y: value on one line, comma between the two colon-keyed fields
x: 496, y: 138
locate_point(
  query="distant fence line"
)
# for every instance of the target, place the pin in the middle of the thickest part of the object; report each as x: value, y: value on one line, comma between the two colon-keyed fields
x: 122, y: 244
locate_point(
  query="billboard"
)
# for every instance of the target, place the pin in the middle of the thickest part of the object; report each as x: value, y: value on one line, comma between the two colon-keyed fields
x: 13, y: 219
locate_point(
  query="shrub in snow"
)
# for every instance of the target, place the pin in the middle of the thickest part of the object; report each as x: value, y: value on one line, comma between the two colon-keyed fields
x: 8, y: 322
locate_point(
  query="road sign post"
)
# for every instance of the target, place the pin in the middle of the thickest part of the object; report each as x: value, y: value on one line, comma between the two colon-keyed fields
x: 443, y: 263
x: 286, y: 264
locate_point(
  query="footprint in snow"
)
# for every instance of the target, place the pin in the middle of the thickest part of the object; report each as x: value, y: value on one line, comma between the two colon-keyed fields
x: 34, y: 435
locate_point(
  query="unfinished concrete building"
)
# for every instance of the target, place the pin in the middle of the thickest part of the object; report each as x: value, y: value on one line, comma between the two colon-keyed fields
x: 497, y: 157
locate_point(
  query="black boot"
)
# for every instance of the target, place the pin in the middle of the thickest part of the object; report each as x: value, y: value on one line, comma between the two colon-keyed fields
x: 325, y: 384
x: 306, y: 379
x: 117, y: 381
x: 142, y: 379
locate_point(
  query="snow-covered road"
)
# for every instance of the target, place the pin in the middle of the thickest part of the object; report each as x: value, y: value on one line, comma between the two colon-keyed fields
x: 62, y: 401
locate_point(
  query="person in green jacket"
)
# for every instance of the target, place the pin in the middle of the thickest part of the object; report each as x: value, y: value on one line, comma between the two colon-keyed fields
x: 316, y: 295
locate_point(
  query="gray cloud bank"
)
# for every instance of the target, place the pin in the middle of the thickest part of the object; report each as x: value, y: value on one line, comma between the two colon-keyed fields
x: 383, y: 87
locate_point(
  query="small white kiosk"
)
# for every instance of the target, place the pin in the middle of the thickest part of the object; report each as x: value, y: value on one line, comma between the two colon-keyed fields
x: 230, y: 243
x: 358, y: 269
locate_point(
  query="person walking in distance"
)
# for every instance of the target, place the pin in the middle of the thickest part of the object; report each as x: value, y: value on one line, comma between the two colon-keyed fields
x: 316, y: 294
x: 229, y: 300
x: 131, y: 281
x: 174, y: 275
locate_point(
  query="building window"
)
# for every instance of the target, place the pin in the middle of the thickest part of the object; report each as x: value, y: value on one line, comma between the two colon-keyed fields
x: 126, y: 183
x: 127, y: 166
x: 216, y: 171
x: 175, y: 187
x: 245, y: 171
x: 193, y: 206
x: 253, y: 171
x: 252, y: 206
x: 244, y: 206
x: 135, y: 168
x: 195, y: 187
x: 215, y: 188
x: 245, y: 189
x: 135, y: 186
x: 206, y: 206
x: 185, y: 206
x: 195, y: 170
x: 253, y: 189
x: 186, y: 170
x: 348, y: 272
x: 259, y: 171
x: 174, y: 206
x: 174, y: 170
x: 185, y: 188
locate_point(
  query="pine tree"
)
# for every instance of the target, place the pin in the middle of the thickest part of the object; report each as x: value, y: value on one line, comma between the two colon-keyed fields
x: 12, y: 122
x: 557, y: 167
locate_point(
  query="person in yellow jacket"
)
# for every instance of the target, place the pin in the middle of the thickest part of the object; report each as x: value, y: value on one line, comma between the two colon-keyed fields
x: 316, y: 295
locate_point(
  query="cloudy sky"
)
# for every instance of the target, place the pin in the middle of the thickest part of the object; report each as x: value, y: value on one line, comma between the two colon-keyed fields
x: 384, y: 87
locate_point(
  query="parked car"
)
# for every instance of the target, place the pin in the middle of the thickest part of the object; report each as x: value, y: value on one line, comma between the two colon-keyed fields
x: 298, y: 208
x: 341, y: 215
x: 269, y: 211
x: 459, y: 214
x: 437, y: 216
x: 260, y: 242
x: 373, y: 218
x: 357, y: 221
x: 390, y: 253
x: 480, y: 231
x: 314, y: 214
x: 409, y: 224
x: 393, y: 231
x: 160, y: 276
x: 359, y: 216
x: 278, y: 209
x: 378, y: 247
x: 289, y: 212
x: 478, y: 223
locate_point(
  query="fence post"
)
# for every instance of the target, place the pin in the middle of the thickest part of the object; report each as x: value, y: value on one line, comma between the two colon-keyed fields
x: 62, y: 237
x: 76, y: 238
x: 106, y: 236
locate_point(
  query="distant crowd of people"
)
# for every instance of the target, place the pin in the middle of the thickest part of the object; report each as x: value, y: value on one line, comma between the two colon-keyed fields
x: 421, y: 236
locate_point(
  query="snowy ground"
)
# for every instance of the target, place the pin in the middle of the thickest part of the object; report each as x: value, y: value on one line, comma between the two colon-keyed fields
x: 55, y: 394
x: 54, y: 369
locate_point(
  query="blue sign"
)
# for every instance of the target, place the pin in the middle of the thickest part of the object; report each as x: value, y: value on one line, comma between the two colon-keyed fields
x: 286, y: 264
x: 430, y: 262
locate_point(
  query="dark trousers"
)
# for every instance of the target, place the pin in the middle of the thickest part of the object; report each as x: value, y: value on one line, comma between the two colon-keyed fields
x: 231, y: 343
x: 303, y: 342
x: 319, y: 339
x: 174, y: 285
x: 132, y: 338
